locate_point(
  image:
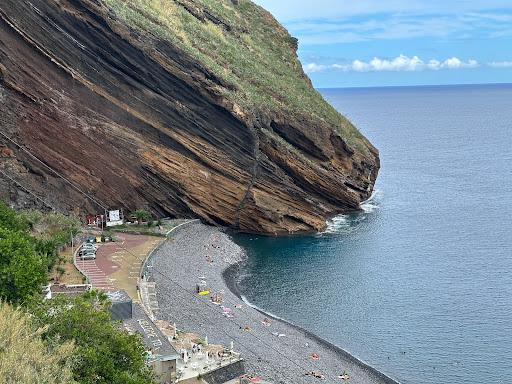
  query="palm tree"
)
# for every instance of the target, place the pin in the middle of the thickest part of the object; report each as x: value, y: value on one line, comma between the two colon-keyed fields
x: 141, y: 215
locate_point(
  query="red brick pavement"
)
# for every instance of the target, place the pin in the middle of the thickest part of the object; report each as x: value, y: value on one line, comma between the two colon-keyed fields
x: 98, y: 270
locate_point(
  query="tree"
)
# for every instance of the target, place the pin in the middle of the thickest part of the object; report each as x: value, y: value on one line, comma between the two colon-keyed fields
x: 11, y: 220
x: 105, y: 354
x: 24, y: 357
x: 22, y: 270
x: 141, y: 215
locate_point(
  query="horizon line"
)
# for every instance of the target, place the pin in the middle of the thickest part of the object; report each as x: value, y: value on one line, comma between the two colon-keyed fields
x: 415, y: 86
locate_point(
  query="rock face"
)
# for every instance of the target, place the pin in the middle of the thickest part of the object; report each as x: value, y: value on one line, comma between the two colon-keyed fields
x: 91, y: 103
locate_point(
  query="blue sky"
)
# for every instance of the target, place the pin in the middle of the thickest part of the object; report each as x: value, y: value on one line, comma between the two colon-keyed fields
x: 400, y: 42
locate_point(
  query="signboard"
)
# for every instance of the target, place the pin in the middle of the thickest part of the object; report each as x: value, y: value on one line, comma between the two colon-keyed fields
x: 114, y: 215
x: 114, y: 218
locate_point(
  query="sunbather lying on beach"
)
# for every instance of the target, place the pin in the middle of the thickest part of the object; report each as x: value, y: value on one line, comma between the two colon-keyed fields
x: 315, y: 374
x: 266, y: 322
x: 344, y: 376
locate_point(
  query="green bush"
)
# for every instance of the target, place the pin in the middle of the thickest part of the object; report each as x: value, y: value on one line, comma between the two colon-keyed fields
x: 11, y: 220
x: 25, y: 358
x: 104, y: 353
x: 47, y: 232
x: 53, y: 226
x: 22, y: 269
x: 29, y: 242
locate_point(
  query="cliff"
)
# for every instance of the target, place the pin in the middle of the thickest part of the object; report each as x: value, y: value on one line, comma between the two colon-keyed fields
x: 191, y: 108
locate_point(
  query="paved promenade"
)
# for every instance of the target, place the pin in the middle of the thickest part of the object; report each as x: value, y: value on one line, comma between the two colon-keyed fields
x: 117, y: 264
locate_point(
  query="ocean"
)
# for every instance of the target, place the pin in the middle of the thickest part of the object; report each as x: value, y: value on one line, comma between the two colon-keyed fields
x: 419, y: 283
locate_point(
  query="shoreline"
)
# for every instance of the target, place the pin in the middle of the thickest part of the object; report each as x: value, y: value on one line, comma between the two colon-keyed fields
x: 230, y: 275
x: 276, y: 351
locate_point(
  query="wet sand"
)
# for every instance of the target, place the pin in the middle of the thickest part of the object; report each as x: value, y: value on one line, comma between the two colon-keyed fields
x: 275, y: 350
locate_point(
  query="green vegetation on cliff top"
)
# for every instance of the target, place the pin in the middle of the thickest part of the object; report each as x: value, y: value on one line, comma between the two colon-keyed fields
x: 245, y: 46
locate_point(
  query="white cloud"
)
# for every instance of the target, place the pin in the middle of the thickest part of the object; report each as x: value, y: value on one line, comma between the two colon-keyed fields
x: 500, y: 64
x: 314, y: 67
x: 455, y: 63
x: 400, y: 63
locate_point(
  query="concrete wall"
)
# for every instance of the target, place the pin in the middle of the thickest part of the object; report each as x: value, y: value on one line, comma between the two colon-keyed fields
x: 192, y: 380
x: 223, y: 374
x: 165, y: 371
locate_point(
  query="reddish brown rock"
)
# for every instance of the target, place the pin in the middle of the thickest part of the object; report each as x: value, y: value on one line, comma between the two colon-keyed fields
x: 136, y: 122
x: 6, y: 152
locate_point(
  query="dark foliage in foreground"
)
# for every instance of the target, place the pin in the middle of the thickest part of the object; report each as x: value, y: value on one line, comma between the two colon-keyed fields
x: 103, y: 353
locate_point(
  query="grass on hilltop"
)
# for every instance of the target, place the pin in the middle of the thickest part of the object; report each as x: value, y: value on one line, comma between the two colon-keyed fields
x: 254, y: 54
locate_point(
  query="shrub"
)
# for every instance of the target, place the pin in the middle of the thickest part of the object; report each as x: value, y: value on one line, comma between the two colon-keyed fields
x: 22, y: 270
x: 105, y: 354
x: 25, y: 358
x: 11, y: 220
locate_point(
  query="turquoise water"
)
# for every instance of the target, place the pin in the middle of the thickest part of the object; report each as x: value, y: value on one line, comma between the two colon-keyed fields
x: 419, y: 284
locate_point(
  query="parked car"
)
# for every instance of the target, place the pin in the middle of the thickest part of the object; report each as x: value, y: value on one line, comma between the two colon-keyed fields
x: 87, y: 251
x: 88, y: 246
x: 87, y: 255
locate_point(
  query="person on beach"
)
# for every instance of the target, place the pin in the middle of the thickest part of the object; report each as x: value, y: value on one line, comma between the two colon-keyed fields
x: 315, y: 374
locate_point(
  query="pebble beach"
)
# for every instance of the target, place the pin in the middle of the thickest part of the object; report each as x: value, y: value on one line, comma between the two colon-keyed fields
x: 272, y: 349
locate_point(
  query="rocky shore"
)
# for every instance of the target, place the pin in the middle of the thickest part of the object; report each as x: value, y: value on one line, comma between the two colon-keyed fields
x: 272, y: 349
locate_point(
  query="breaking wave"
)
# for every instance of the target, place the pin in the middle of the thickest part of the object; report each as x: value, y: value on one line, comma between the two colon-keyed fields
x: 349, y: 222
x: 372, y: 203
x: 269, y: 314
